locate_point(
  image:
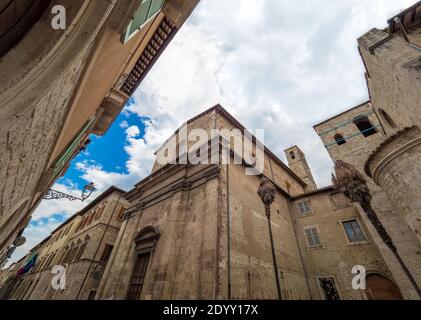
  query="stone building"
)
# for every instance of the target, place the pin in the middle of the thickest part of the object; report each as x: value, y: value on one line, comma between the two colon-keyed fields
x: 58, y: 85
x: 381, y: 138
x: 199, y: 231
x: 82, y: 244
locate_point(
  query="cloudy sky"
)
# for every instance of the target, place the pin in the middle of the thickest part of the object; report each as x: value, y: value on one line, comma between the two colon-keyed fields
x: 277, y: 65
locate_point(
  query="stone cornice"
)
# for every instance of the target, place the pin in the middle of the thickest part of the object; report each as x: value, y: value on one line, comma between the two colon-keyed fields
x: 185, y: 183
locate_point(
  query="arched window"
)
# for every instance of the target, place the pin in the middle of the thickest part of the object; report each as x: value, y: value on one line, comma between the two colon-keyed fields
x: 365, y: 126
x: 387, y: 118
x: 292, y: 155
x: 340, y: 140
x: 145, y: 244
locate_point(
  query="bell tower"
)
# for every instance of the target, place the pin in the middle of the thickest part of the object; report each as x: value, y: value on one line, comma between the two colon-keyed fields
x: 298, y: 163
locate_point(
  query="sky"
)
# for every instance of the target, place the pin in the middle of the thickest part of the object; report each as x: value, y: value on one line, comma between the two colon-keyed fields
x: 278, y: 65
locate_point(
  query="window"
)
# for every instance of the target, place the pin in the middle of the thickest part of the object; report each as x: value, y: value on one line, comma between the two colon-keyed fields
x: 107, y: 253
x: 387, y: 118
x: 80, y: 251
x: 329, y: 289
x: 99, y: 212
x: 304, y: 207
x: 340, y: 140
x: 292, y: 155
x: 92, y: 295
x: 89, y: 218
x: 147, y: 10
x: 354, y: 231
x: 71, y: 255
x: 69, y: 152
x: 68, y: 229
x: 121, y: 213
x: 313, y: 239
x: 365, y: 126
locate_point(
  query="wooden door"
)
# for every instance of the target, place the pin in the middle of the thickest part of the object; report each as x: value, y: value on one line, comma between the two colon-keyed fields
x: 381, y: 288
x: 138, y: 276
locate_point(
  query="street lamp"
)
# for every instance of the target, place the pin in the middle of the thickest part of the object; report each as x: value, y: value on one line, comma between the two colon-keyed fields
x: 87, y: 190
x: 266, y: 192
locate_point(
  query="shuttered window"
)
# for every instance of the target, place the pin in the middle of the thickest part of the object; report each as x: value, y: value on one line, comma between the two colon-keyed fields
x: 313, y: 238
x: 147, y: 10
x: 354, y: 231
x: 67, y: 154
x: 304, y: 207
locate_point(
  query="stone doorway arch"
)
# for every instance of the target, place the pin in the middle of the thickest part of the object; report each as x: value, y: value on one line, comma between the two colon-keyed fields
x: 381, y: 288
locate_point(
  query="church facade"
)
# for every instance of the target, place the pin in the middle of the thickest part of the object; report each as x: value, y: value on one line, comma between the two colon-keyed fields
x: 201, y: 232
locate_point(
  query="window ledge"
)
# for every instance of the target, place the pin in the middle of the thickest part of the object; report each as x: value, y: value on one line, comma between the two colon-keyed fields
x: 358, y: 243
x: 316, y: 248
x: 305, y: 215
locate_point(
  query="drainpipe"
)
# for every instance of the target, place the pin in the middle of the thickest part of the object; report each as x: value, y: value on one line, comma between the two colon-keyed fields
x: 405, y: 34
x: 228, y: 236
x: 294, y: 224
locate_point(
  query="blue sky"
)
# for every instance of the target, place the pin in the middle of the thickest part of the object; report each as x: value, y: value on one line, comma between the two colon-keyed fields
x: 108, y: 150
x: 273, y: 65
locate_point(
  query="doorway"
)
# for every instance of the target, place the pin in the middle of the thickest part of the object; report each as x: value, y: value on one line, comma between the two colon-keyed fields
x: 381, y: 288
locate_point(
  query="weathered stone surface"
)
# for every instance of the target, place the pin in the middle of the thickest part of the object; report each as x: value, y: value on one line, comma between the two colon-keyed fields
x: 356, y: 151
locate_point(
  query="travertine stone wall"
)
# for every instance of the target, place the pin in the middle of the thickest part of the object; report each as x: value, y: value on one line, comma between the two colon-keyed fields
x: 184, y: 262
x: 252, y: 272
x: 396, y: 167
x: 394, y: 77
x: 337, y: 255
x: 356, y: 151
x: 38, y: 78
x: 28, y: 143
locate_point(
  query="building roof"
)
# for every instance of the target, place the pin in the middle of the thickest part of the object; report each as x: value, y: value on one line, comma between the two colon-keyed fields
x: 310, y: 193
x: 409, y: 17
x: 98, y: 199
x: 221, y: 110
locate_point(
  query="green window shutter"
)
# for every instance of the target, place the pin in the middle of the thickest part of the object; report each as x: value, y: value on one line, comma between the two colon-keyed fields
x: 146, y: 11
x: 70, y: 150
x: 155, y: 7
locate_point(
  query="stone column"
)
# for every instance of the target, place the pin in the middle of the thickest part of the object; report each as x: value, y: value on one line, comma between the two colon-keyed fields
x: 396, y: 167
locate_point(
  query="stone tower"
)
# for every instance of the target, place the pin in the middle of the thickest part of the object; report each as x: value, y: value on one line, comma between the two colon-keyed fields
x: 298, y: 163
x: 352, y: 136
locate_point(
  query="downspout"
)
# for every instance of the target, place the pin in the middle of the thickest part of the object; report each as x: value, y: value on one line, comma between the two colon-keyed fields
x: 228, y: 237
x: 299, y: 247
x: 99, y: 245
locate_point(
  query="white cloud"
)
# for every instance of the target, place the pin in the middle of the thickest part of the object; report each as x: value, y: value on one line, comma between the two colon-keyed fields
x: 275, y: 65
x: 123, y: 124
